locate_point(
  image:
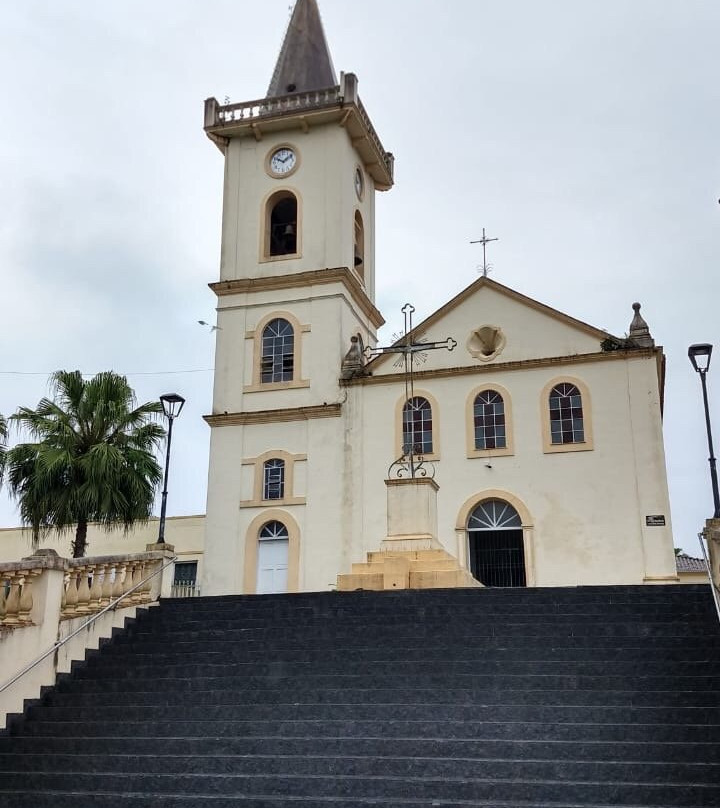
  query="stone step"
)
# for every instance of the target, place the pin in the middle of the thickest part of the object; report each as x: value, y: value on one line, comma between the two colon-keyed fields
x: 352, y: 787
x: 213, y: 745
x: 475, y: 766
x: 398, y: 695
x: 511, y: 730
x: 228, y: 713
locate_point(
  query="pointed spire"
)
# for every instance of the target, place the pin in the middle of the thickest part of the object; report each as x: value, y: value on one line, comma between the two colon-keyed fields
x: 639, y: 331
x: 304, y: 62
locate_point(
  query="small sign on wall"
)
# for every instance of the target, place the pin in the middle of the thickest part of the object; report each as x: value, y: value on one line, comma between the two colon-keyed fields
x: 655, y: 520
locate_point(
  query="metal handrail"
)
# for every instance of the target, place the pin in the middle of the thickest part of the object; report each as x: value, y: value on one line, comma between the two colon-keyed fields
x: 88, y: 622
x: 714, y: 589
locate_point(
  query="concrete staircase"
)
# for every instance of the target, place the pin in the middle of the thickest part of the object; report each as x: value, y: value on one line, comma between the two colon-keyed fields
x: 468, y: 697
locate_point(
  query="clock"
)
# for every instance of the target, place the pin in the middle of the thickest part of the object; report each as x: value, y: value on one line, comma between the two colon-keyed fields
x: 359, y: 183
x: 282, y: 161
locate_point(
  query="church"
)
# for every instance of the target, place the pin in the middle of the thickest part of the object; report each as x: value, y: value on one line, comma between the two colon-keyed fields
x: 497, y: 442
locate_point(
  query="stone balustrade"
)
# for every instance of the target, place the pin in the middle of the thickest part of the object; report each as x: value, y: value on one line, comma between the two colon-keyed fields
x: 16, y: 595
x: 90, y: 584
x: 343, y: 96
x: 266, y: 107
x: 53, y: 609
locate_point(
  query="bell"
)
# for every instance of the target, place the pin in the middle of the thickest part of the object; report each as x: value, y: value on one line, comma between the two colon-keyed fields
x: 289, y: 230
x: 358, y: 259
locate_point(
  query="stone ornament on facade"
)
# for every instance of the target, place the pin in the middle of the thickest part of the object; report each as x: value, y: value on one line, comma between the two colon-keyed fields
x: 486, y: 342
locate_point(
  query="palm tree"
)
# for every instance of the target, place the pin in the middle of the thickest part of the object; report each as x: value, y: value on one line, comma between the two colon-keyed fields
x: 92, y: 460
x: 3, y: 445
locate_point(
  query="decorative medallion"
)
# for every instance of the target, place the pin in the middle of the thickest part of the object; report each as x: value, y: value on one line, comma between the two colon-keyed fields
x: 486, y: 342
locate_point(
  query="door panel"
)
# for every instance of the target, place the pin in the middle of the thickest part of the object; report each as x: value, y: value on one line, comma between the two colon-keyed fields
x: 272, y: 566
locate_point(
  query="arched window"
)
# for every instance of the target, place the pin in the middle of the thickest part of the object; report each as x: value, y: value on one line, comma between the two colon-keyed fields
x: 282, y: 224
x: 417, y: 426
x: 274, y: 479
x: 278, y: 345
x: 566, y: 414
x: 359, y: 248
x: 489, y: 420
x: 274, y: 531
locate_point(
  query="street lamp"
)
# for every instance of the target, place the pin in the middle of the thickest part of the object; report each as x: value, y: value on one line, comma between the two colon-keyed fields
x: 700, y: 358
x: 172, y: 405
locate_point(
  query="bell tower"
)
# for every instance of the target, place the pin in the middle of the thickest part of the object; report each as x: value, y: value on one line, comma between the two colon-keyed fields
x: 297, y: 284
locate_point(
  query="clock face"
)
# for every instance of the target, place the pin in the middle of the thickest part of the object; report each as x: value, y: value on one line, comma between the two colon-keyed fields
x: 283, y: 161
x: 359, y: 183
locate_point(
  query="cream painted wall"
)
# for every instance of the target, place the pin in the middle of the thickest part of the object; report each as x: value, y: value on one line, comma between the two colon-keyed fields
x: 324, y: 183
x: 587, y: 508
x: 185, y: 533
x: 530, y: 333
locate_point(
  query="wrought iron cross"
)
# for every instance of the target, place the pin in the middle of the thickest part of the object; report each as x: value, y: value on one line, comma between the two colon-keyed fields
x: 411, y: 463
x: 485, y: 241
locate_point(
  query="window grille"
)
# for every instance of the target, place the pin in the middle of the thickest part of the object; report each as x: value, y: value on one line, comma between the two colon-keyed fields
x: 495, y: 538
x: 185, y: 583
x: 494, y: 514
x: 417, y: 426
x: 274, y: 531
x: 278, y: 351
x: 489, y: 420
x: 274, y: 479
x: 566, y: 415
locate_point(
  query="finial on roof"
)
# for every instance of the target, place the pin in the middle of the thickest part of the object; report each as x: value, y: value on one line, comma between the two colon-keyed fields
x: 639, y: 331
x: 304, y: 62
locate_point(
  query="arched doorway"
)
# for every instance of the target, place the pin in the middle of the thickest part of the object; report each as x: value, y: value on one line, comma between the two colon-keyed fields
x: 272, y: 559
x: 496, y: 549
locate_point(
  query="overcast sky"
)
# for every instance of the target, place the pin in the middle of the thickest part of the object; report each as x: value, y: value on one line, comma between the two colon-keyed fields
x: 584, y: 135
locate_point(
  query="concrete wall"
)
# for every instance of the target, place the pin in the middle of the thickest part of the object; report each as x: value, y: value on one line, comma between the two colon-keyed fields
x: 186, y: 533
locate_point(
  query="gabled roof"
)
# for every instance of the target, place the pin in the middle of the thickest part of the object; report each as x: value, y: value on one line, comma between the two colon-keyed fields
x: 686, y: 563
x: 304, y: 62
x: 476, y: 286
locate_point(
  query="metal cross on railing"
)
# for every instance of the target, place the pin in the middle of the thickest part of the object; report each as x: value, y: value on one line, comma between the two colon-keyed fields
x: 411, y: 462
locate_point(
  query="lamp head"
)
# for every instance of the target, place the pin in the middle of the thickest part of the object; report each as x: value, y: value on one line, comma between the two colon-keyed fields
x: 700, y: 356
x: 172, y: 404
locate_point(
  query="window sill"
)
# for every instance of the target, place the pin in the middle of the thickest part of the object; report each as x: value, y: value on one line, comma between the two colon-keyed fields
x: 487, y: 453
x: 561, y: 448
x: 272, y: 503
x: 269, y: 386
x: 267, y: 259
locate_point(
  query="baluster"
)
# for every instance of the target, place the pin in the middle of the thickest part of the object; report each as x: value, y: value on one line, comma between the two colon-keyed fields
x: 83, y: 601
x: 12, y: 604
x: 140, y: 573
x: 96, y: 588
x: 71, y: 593
x: 63, y: 597
x: 120, y: 573
x: 107, y: 584
x: 128, y: 582
x: 3, y: 609
x: 26, y: 599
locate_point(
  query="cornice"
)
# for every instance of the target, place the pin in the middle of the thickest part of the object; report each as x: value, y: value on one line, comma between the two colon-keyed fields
x: 301, y: 279
x: 523, y: 364
x: 274, y: 416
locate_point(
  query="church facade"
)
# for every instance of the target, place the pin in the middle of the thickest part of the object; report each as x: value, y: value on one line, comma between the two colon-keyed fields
x: 542, y: 435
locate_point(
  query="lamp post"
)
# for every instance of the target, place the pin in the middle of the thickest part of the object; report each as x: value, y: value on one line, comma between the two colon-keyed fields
x: 172, y: 405
x: 700, y: 358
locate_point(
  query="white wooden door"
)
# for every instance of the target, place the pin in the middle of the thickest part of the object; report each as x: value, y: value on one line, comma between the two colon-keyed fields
x: 272, y: 566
